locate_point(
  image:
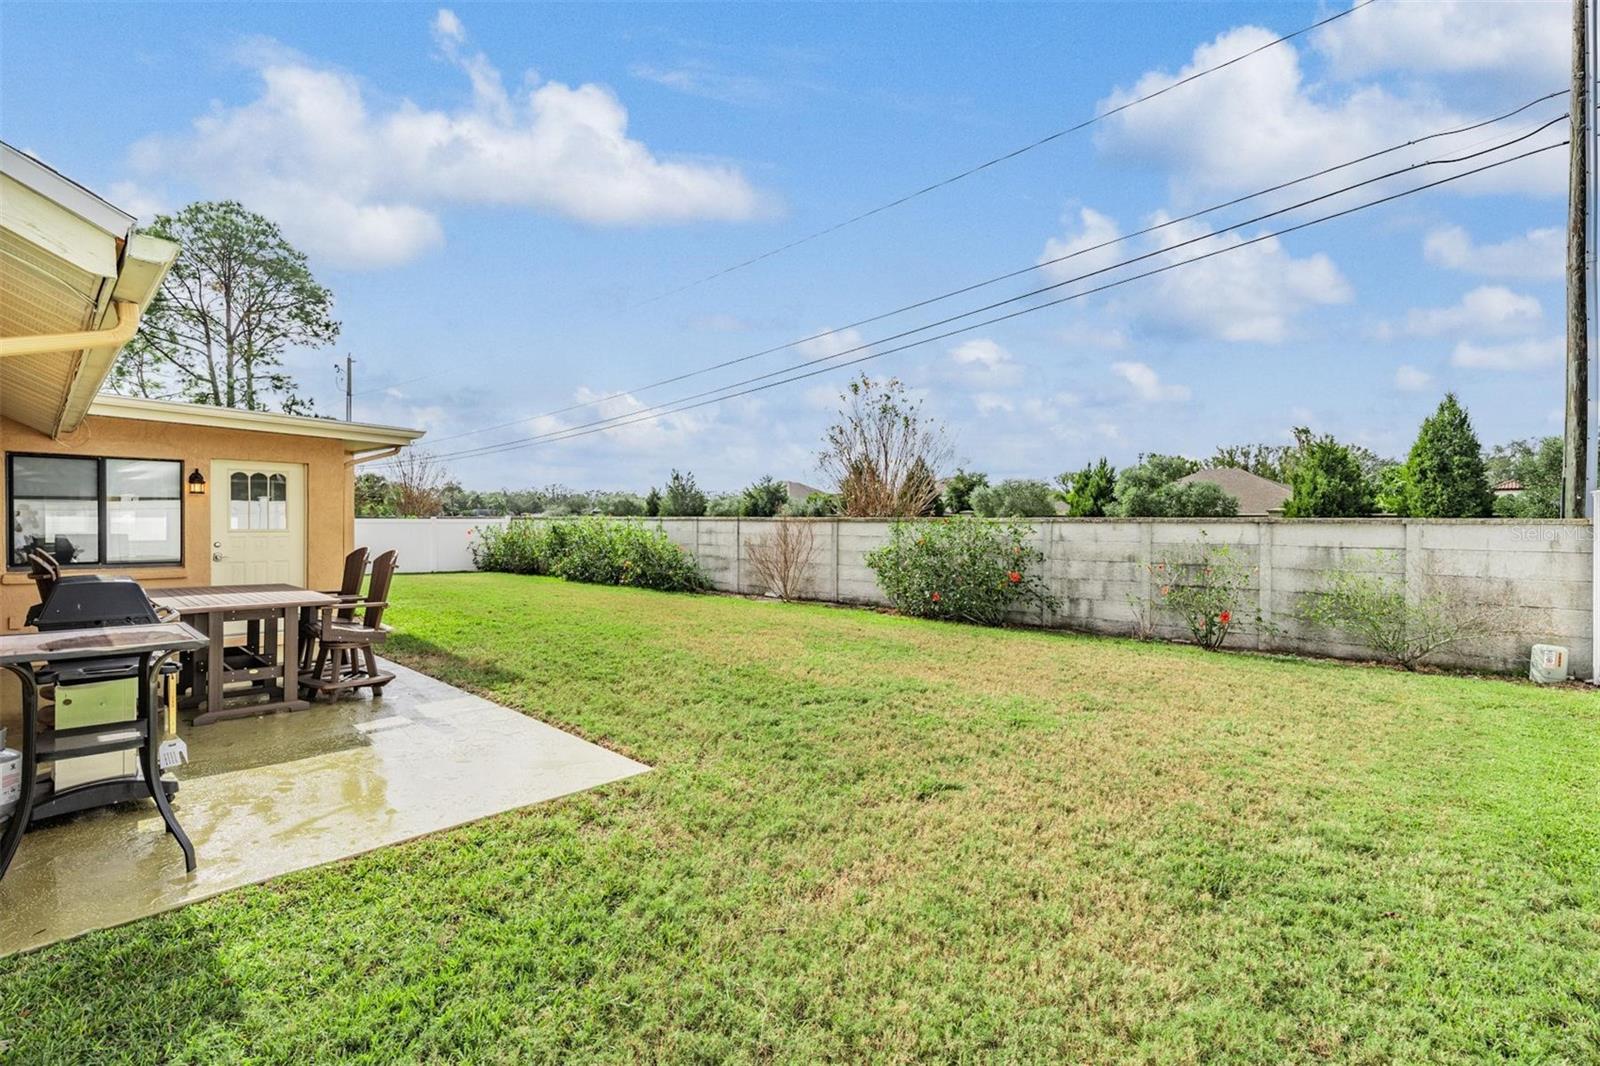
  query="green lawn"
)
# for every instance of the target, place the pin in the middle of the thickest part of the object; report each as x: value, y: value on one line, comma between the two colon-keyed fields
x: 873, y: 838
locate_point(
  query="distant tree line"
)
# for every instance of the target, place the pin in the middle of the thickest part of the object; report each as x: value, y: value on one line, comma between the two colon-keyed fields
x: 1446, y: 474
x: 882, y: 452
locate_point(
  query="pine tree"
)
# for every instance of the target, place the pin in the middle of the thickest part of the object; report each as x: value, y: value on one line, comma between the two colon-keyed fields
x: 1088, y: 492
x: 683, y: 498
x: 1447, y: 475
x: 1328, y: 482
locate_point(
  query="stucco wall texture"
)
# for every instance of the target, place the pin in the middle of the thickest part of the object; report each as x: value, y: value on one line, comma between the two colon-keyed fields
x: 330, y: 502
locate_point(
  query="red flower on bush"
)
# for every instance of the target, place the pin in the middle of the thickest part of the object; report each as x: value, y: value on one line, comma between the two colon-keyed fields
x: 935, y: 597
x: 1225, y: 617
x: 1015, y: 576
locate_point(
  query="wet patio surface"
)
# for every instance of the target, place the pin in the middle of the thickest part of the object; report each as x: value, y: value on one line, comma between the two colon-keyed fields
x: 262, y: 797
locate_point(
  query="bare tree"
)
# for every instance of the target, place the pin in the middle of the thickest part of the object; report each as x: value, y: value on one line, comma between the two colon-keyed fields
x: 883, y: 451
x: 782, y: 561
x: 416, y: 485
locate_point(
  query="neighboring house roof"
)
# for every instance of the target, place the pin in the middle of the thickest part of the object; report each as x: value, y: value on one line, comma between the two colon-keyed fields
x: 1506, y: 488
x: 74, y: 279
x: 799, y: 490
x: 1256, y: 495
x: 357, y: 436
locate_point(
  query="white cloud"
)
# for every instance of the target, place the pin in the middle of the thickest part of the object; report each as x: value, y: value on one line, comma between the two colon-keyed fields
x: 990, y: 403
x: 446, y: 26
x: 1252, y: 294
x: 1080, y: 253
x: 821, y: 397
x: 1512, y: 355
x: 698, y: 79
x: 1525, y: 41
x: 1255, y: 122
x: 1489, y: 310
x: 983, y: 360
x: 359, y: 182
x: 1049, y: 408
x: 1263, y: 121
x: 1410, y: 379
x: 1091, y: 335
x: 1536, y: 254
x: 980, y: 352
x: 137, y: 200
x: 668, y: 430
x: 1147, y: 384
x: 828, y: 345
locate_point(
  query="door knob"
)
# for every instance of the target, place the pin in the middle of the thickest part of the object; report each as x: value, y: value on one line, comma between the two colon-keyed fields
x: 216, y: 557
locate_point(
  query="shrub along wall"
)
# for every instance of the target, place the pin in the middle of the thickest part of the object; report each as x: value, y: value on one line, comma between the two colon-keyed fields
x: 1535, y: 576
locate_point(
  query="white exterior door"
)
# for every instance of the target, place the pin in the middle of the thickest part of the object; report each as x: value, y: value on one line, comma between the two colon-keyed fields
x: 258, y: 523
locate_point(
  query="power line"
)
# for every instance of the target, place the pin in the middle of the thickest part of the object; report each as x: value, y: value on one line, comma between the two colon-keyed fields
x: 580, y: 431
x: 1064, y: 299
x: 397, y: 384
x: 1457, y: 131
x: 490, y: 448
x: 640, y: 416
x: 1014, y: 153
x: 969, y: 172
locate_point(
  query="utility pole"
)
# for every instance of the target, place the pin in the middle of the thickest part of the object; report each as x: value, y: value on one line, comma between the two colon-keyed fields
x: 1575, y: 452
x: 350, y: 385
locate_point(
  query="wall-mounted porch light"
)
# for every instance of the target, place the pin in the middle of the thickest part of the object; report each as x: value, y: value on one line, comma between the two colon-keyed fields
x: 197, y: 483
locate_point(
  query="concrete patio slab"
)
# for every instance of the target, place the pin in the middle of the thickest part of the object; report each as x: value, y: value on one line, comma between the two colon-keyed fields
x: 262, y: 797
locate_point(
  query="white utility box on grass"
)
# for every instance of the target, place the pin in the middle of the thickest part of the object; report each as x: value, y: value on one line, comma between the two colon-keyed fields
x: 1548, y: 664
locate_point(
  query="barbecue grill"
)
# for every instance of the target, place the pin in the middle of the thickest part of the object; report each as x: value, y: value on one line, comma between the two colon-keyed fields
x: 98, y: 691
x: 100, y: 649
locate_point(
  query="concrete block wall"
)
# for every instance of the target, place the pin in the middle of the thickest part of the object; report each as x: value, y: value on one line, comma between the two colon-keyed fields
x: 1535, y: 576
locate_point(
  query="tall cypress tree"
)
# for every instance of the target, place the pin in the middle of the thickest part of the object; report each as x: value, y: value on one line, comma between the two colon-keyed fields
x: 1447, y: 474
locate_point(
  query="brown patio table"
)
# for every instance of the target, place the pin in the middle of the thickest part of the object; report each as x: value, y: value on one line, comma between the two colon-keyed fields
x: 268, y: 611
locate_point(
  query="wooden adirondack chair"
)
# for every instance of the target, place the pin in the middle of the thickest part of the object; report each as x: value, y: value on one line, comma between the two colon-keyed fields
x: 345, y: 657
x: 44, y: 570
x: 349, y: 590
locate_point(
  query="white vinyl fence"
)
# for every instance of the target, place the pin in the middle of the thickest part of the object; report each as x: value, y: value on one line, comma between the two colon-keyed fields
x: 426, y: 545
x: 1536, y: 576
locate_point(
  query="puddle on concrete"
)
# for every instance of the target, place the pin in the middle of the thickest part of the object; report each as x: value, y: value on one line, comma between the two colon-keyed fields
x: 262, y: 797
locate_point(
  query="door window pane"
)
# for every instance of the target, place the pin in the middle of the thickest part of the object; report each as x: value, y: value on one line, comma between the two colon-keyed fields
x: 278, y: 502
x: 258, y: 501
x: 144, y: 522
x: 55, y: 505
x: 239, y: 501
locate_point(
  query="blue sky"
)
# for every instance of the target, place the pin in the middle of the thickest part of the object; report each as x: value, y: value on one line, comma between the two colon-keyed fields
x: 496, y: 192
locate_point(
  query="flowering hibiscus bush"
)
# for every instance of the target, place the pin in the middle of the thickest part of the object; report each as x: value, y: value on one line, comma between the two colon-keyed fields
x: 1210, y: 591
x: 593, y: 550
x: 962, y: 569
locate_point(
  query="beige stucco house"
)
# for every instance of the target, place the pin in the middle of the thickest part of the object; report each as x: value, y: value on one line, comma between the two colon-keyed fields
x: 169, y: 493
